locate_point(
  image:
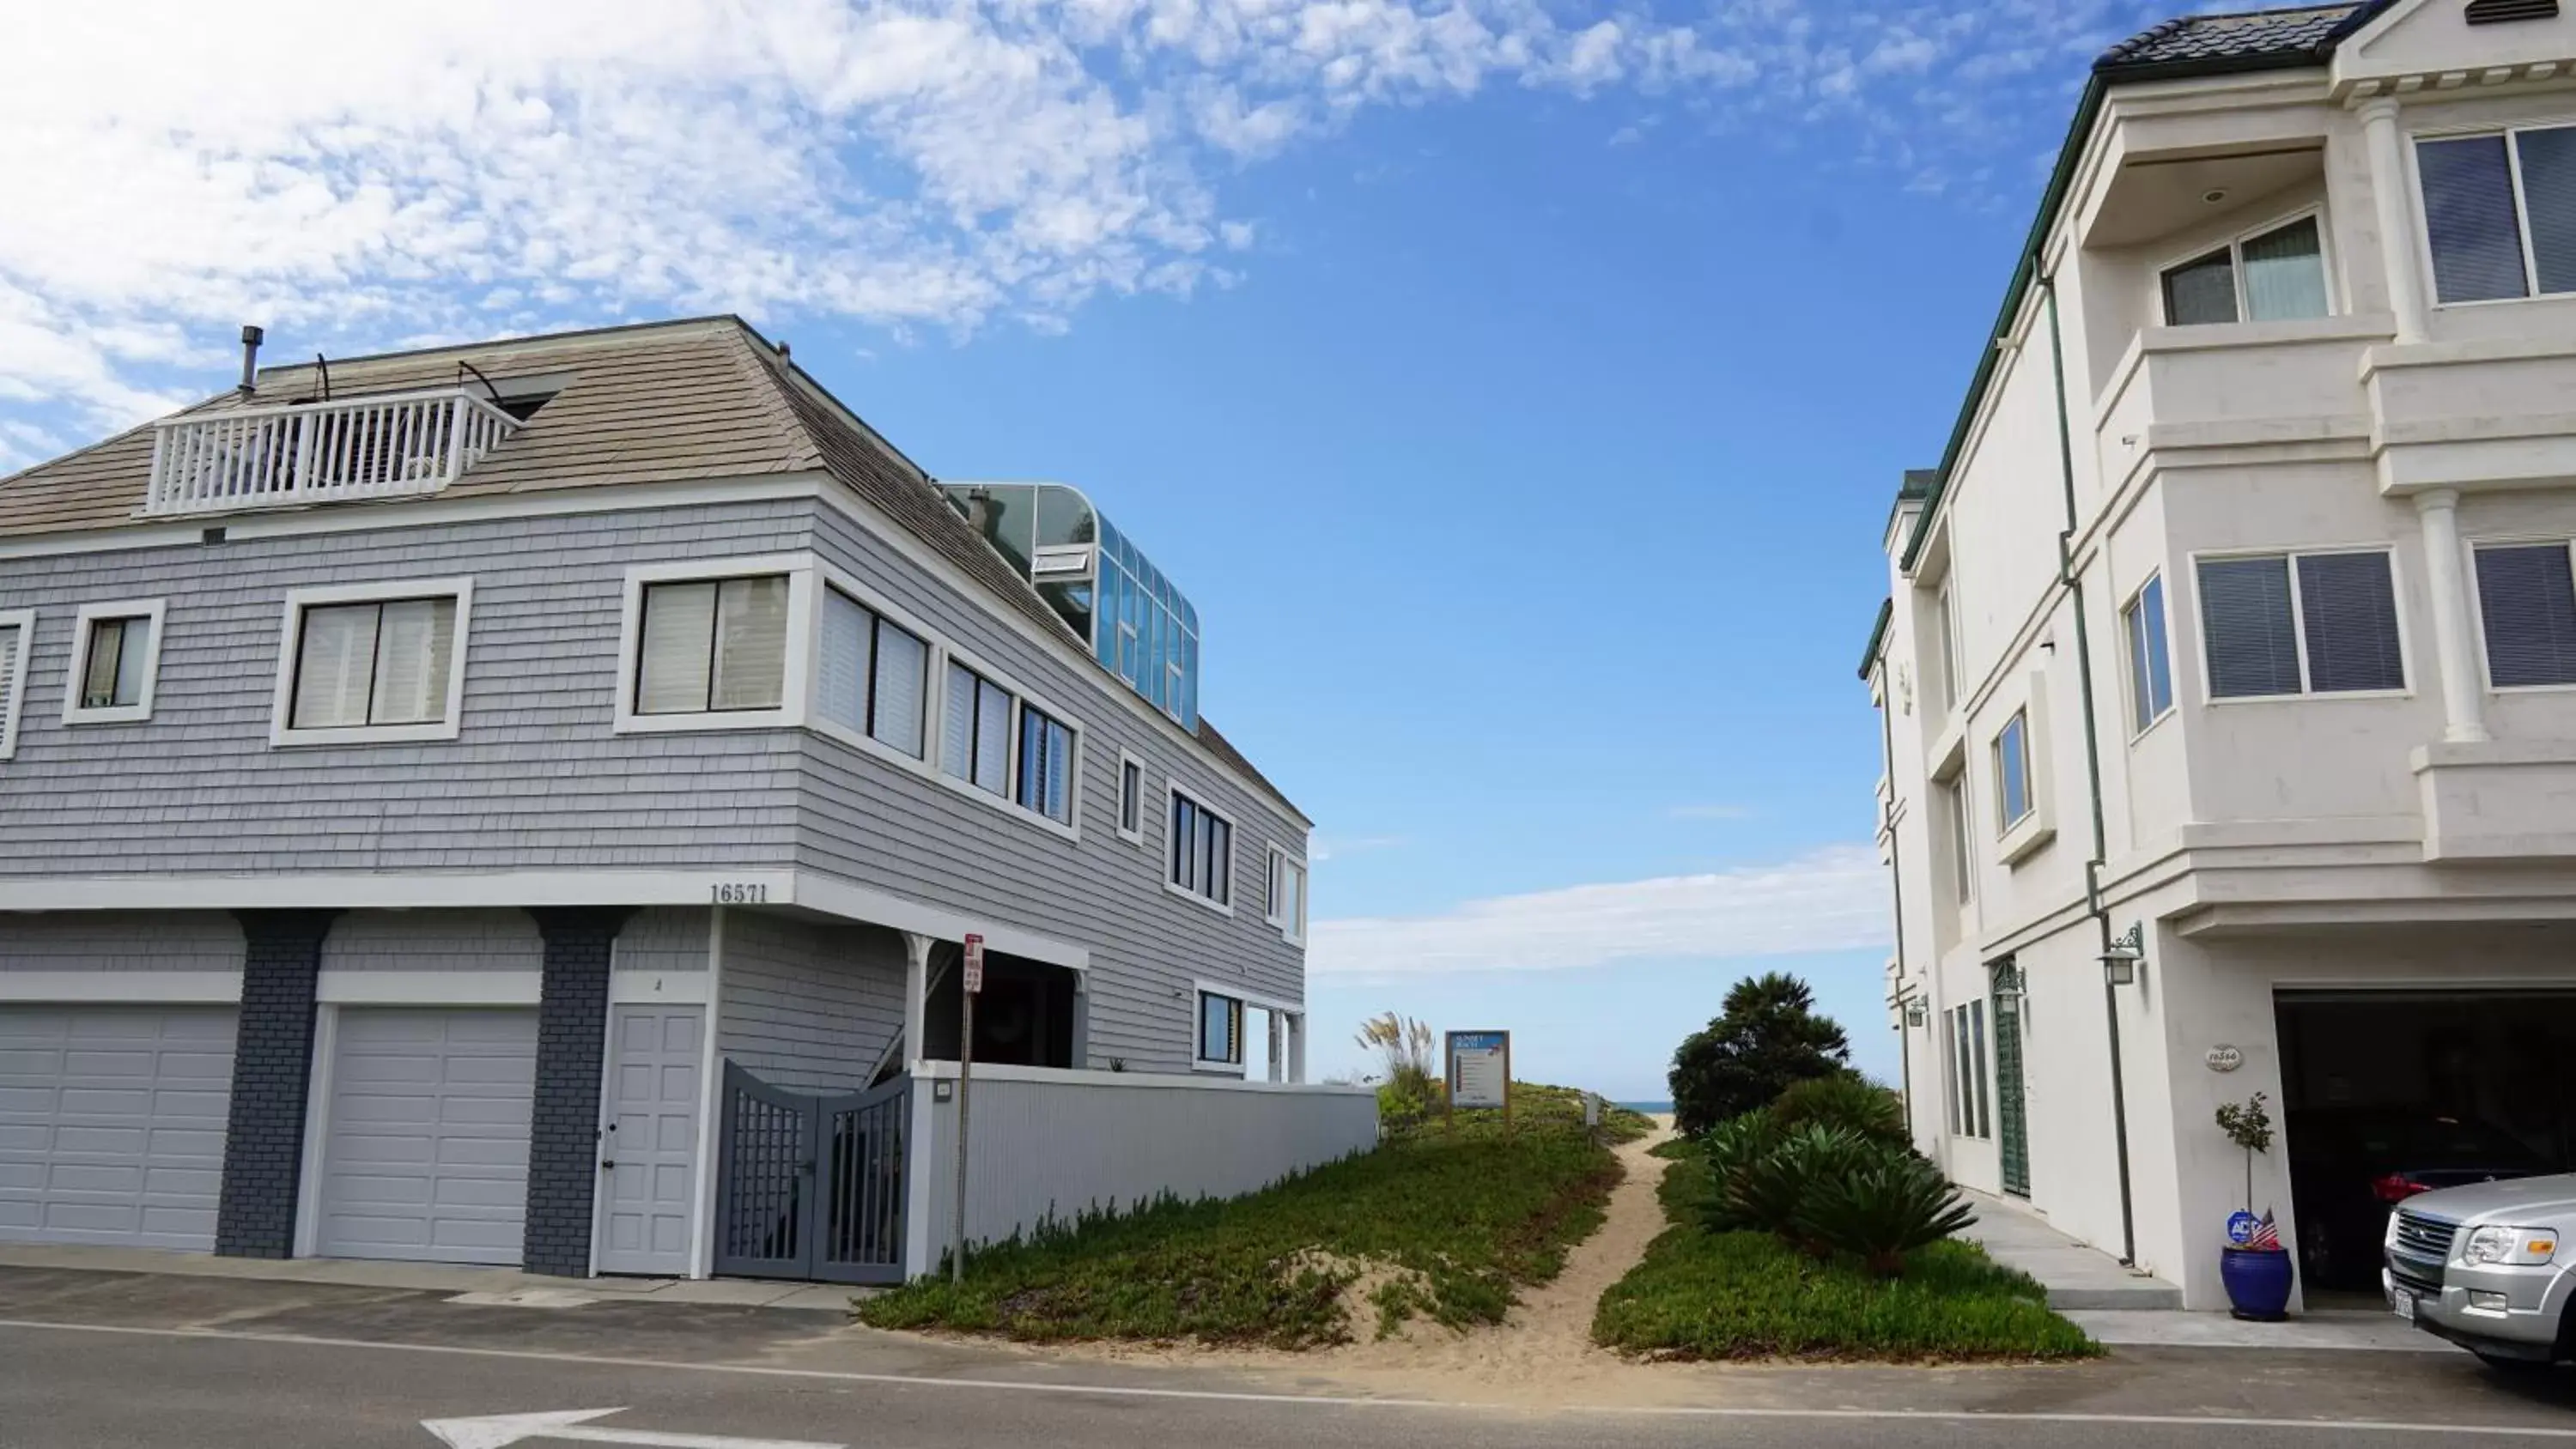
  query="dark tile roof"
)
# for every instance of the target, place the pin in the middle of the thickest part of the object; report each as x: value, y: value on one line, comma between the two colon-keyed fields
x: 2251, y: 40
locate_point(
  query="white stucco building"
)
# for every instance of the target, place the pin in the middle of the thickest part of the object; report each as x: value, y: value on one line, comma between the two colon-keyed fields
x: 2239, y: 612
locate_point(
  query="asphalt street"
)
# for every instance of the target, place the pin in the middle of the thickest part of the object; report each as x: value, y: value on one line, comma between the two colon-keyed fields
x: 91, y: 1360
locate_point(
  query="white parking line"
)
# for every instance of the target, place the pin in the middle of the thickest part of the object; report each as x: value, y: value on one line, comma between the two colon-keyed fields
x: 1132, y: 1391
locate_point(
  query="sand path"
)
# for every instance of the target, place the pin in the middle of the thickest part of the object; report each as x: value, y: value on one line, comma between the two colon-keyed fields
x: 1541, y: 1353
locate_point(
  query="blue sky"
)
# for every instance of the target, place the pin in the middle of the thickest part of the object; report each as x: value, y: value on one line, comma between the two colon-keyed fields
x: 1517, y: 389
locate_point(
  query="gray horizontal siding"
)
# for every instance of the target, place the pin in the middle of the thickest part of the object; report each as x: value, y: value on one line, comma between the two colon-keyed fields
x: 537, y: 779
x: 495, y: 940
x: 119, y: 941
x: 891, y: 829
x: 808, y: 1007
x: 664, y: 939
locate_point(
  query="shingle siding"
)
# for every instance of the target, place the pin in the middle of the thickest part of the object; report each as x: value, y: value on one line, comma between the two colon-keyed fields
x: 664, y: 939
x: 495, y: 940
x: 537, y: 778
x: 120, y: 941
x: 806, y: 1006
x: 893, y: 830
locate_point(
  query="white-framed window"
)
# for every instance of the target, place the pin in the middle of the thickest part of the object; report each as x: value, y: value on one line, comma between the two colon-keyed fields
x: 2500, y: 212
x: 873, y: 677
x: 716, y: 644
x: 1044, y: 782
x: 2150, y: 656
x: 1131, y: 798
x: 1198, y: 847
x: 998, y: 744
x: 1963, y: 864
x: 2295, y: 623
x: 17, y: 627
x: 2013, y: 799
x: 1284, y: 895
x: 372, y: 663
x: 1971, y: 1111
x: 2527, y: 613
x: 975, y: 731
x: 2272, y: 274
x: 1220, y: 1031
x: 1235, y: 1030
x: 116, y: 652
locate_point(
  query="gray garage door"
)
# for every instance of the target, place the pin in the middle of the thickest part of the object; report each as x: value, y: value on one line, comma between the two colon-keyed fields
x: 112, y: 1123
x: 426, y: 1152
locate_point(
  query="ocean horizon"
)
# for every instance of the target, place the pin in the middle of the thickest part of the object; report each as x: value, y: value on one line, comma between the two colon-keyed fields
x: 1649, y: 1108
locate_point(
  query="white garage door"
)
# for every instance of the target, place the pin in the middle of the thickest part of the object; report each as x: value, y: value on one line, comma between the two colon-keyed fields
x: 425, y: 1154
x: 112, y: 1123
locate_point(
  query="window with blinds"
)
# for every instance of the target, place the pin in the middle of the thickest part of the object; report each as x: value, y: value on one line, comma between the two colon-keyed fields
x: 2266, y: 276
x: 2500, y: 213
x: 975, y: 731
x: 1963, y: 1054
x: 2313, y: 623
x: 1200, y: 849
x: 1220, y: 1030
x: 373, y: 663
x: 1045, y: 782
x: 115, y: 660
x: 1286, y: 895
x: 873, y: 676
x: 2527, y: 605
x: 713, y: 646
x: 2150, y: 658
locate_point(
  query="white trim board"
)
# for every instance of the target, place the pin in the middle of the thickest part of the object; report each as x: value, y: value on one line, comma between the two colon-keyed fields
x: 947, y: 1072
x: 429, y: 988
x: 359, y: 890
x: 118, y: 988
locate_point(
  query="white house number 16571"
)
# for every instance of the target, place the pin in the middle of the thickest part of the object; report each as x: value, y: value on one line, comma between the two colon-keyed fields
x: 741, y: 893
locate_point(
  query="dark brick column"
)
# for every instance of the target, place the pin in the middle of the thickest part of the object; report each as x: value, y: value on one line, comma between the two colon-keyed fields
x: 272, y: 1069
x: 572, y: 1038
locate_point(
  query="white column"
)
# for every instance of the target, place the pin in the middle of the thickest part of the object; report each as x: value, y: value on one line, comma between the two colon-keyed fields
x: 916, y: 996
x: 2454, y: 643
x: 1276, y: 1052
x: 2394, y: 196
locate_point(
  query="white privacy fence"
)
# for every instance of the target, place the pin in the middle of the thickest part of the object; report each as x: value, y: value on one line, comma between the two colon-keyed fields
x: 1044, y: 1143
x: 385, y: 446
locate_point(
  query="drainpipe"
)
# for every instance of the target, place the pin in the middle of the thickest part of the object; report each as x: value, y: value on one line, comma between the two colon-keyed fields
x: 1896, y: 894
x: 2074, y: 586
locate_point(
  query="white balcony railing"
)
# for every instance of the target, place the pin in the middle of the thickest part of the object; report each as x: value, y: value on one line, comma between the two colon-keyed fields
x: 391, y: 445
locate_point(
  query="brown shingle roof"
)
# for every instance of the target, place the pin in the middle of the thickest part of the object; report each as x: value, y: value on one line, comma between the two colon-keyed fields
x: 693, y: 400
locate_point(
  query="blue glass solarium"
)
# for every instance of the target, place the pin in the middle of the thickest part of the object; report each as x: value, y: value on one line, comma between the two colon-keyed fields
x: 1141, y: 626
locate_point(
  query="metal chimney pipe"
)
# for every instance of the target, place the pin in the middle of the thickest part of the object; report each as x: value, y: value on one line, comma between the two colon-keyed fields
x: 251, y: 338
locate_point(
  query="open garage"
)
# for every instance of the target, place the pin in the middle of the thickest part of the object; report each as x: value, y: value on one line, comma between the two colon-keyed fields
x: 2387, y: 1093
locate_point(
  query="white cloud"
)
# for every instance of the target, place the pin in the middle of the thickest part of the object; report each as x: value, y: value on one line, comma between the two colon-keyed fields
x: 363, y: 176
x: 1830, y: 900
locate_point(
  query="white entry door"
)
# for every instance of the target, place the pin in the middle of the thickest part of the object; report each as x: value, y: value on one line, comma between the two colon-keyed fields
x: 425, y: 1155
x: 649, y: 1150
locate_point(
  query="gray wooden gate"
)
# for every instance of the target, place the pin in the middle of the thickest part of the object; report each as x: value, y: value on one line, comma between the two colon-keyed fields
x: 810, y: 1187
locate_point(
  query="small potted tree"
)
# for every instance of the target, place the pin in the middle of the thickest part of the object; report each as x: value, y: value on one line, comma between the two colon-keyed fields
x: 2256, y: 1268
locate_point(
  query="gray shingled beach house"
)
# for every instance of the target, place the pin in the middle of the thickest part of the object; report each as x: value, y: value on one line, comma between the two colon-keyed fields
x: 525, y: 804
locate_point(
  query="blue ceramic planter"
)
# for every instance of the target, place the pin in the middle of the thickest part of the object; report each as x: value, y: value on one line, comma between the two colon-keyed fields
x: 2258, y: 1282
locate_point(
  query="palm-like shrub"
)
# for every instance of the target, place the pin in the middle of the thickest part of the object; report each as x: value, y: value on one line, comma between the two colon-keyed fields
x: 1846, y: 1100
x: 1879, y: 1207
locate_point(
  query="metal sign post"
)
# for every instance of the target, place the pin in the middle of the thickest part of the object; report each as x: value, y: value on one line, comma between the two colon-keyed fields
x: 974, y: 984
